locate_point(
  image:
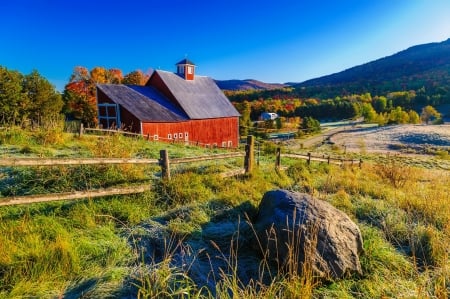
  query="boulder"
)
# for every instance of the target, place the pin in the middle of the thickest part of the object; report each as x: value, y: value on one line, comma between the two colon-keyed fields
x: 299, y: 232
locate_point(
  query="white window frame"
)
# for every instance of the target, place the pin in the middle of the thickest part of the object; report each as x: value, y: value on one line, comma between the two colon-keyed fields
x: 155, y: 137
x: 169, y: 136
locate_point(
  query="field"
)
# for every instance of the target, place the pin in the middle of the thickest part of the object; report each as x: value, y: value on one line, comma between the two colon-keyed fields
x: 405, y: 139
x: 200, y: 224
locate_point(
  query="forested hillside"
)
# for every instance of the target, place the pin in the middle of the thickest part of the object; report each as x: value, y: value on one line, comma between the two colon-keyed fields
x: 423, y: 66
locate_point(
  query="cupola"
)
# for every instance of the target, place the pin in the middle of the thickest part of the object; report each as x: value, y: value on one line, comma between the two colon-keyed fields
x: 186, y: 69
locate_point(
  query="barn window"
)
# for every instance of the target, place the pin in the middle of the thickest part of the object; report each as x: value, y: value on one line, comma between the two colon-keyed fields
x: 224, y: 144
x: 230, y: 143
x: 186, y: 135
x: 180, y: 135
x: 175, y: 136
x: 169, y: 136
x: 155, y: 137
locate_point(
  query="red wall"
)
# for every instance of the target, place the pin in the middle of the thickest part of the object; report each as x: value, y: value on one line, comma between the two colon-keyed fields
x: 221, y: 132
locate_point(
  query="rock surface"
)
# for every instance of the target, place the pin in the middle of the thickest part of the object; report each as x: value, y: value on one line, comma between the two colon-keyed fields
x: 296, y: 230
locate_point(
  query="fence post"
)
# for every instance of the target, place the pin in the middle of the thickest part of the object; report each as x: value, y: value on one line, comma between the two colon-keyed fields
x: 360, y: 163
x: 80, y: 133
x: 278, y: 158
x: 309, y: 158
x: 249, y: 154
x: 164, y: 163
x: 328, y: 160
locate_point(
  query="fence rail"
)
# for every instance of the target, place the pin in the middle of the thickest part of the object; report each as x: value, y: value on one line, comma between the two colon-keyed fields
x: 19, y: 200
x: 327, y: 159
x: 96, y: 161
x: 164, y: 162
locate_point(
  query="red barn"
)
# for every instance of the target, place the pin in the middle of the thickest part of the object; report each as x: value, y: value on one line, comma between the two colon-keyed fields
x: 171, y: 107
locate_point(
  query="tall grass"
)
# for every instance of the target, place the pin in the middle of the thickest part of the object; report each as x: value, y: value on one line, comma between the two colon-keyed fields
x: 82, y: 248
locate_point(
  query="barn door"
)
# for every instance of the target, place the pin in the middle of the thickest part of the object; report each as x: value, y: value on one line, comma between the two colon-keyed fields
x: 109, y: 115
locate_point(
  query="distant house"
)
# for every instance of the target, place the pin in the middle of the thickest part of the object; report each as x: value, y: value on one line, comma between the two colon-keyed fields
x: 268, y: 116
x: 177, y: 106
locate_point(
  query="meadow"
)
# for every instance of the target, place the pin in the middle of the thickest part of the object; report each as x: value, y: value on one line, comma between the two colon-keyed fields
x: 92, y: 248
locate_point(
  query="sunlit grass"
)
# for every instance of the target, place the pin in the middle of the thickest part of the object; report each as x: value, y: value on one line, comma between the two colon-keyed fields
x: 83, y: 247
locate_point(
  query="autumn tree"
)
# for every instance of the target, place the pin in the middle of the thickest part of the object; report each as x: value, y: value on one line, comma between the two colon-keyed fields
x: 79, y: 95
x: 367, y: 111
x: 429, y: 113
x: 414, y: 118
x: 115, y: 76
x: 135, y: 78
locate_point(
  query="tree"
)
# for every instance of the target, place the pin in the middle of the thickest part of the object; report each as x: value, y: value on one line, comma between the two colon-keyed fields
x: 13, y: 102
x: 244, y: 109
x: 309, y: 125
x: 45, y: 102
x: 79, y: 94
x: 398, y: 116
x: 380, y: 104
x: 135, y: 78
x: 414, y: 118
x: 367, y: 111
x: 115, y: 76
x: 429, y: 113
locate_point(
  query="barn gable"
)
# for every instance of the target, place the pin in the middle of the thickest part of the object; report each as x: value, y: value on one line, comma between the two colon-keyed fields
x: 200, y: 98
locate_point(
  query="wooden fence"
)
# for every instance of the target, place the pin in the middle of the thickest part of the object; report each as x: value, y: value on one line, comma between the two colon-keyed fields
x: 164, y: 162
x: 308, y: 157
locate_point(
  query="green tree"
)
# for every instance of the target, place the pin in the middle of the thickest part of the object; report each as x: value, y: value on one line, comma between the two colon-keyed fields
x: 398, y: 116
x: 244, y: 109
x: 367, y: 111
x: 309, y: 125
x: 45, y: 102
x: 429, y: 113
x: 380, y: 104
x: 13, y: 102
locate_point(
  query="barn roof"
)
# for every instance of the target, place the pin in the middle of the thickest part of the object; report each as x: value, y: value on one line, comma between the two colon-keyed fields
x: 145, y: 102
x: 185, y: 61
x: 199, y: 98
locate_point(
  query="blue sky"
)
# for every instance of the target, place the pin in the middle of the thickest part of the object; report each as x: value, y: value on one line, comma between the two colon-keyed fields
x: 272, y: 41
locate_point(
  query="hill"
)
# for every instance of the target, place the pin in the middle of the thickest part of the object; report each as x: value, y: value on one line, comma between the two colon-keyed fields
x: 426, y: 65
x: 247, y: 84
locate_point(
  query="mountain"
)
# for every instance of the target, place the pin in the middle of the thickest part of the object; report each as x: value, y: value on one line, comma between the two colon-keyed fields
x: 426, y: 65
x: 247, y: 85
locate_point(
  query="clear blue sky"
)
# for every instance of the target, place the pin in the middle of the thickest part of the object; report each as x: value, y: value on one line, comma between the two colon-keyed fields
x: 272, y: 41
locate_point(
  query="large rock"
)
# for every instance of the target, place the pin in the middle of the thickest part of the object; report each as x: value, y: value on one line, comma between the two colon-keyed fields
x: 297, y: 231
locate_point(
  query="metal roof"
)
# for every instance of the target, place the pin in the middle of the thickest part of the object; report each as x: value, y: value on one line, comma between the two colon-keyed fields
x: 199, y: 98
x: 145, y: 102
x: 185, y: 61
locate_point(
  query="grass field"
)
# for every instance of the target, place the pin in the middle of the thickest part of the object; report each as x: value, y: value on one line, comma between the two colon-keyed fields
x: 96, y: 248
